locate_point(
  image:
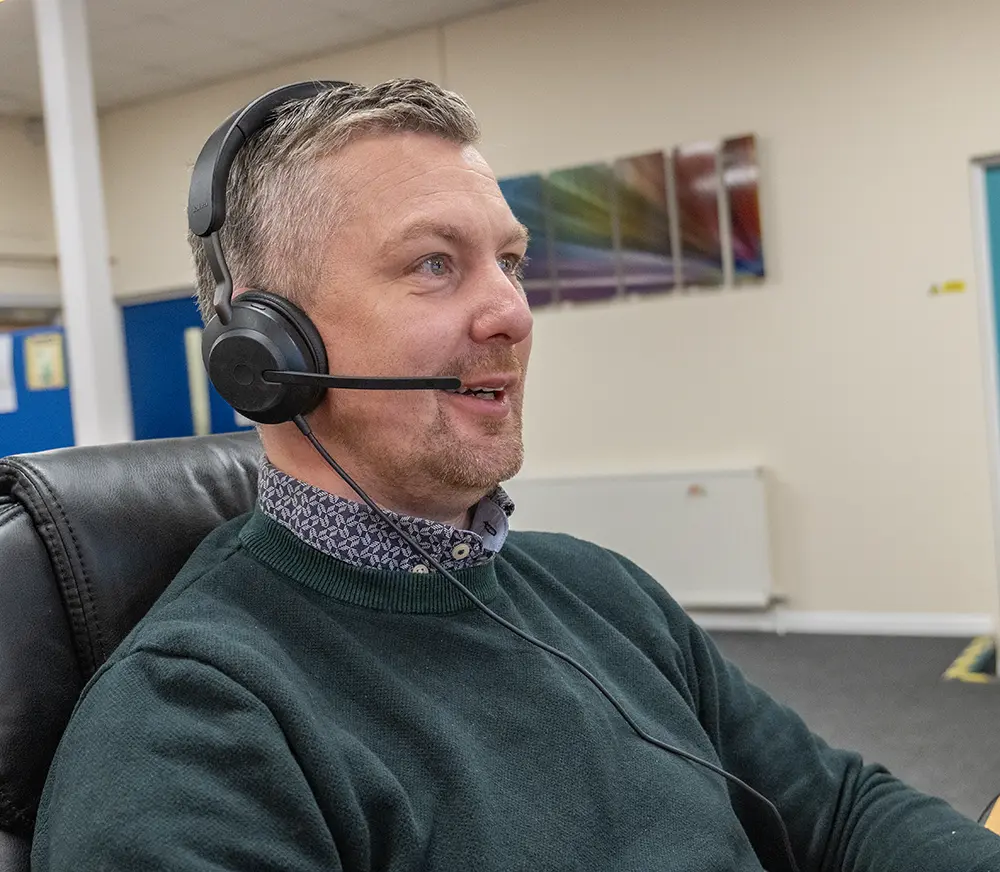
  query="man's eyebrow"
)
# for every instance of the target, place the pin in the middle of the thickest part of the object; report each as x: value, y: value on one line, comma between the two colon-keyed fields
x: 452, y: 233
x: 519, y: 235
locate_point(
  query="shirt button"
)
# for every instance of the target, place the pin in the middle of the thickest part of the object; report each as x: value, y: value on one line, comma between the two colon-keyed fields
x: 460, y: 551
x: 420, y: 568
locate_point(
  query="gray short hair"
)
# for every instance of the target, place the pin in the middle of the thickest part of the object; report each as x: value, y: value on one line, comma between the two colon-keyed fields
x: 277, y: 207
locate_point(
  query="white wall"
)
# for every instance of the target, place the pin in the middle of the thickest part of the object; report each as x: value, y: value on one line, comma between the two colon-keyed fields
x: 27, y: 236
x: 841, y: 374
x: 149, y: 149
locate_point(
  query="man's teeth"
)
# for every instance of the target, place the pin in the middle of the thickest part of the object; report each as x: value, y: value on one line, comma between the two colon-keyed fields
x: 482, y: 393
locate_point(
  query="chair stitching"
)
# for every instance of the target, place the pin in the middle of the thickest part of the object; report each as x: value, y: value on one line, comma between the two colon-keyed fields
x: 98, y: 637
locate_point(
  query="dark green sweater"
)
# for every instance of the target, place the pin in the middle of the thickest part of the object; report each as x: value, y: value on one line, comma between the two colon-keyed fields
x: 280, y: 710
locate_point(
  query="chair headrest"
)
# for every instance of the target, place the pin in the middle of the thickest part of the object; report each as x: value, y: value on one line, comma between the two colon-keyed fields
x: 89, y: 538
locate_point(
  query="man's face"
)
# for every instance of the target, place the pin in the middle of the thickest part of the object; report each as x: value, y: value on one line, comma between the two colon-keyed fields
x: 421, y: 280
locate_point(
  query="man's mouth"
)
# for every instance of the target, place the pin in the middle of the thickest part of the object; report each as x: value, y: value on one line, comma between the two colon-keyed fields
x: 487, y: 386
x: 482, y: 393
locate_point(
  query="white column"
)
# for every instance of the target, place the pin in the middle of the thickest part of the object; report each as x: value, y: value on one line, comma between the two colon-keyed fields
x: 98, y: 378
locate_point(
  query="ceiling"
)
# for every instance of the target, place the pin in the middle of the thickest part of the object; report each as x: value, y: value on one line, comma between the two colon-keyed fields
x: 140, y: 48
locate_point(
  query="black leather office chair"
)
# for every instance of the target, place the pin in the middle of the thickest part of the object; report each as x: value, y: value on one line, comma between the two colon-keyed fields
x: 89, y: 538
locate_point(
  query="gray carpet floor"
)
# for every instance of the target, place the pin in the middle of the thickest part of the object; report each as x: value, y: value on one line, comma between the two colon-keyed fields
x: 885, y: 698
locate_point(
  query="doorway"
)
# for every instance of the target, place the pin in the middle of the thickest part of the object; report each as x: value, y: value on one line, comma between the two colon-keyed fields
x: 985, y: 181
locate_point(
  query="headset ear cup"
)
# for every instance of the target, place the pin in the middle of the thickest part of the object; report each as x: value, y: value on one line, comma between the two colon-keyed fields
x: 266, y: 332
x: 299, y: 320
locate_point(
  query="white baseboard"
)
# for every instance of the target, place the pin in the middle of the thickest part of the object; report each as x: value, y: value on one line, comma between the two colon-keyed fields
x: 762, y: 622
x: 781, y: 620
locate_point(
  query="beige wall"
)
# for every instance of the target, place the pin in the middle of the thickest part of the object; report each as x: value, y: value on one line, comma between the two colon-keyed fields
x: 27, y: 237
x: 859, y: 391
x: 148, y: 151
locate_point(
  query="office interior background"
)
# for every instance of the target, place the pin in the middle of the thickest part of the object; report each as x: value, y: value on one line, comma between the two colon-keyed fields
x: 855, y: 382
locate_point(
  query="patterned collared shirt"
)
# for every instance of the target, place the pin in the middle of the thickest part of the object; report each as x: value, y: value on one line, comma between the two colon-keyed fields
x: 353, y: 533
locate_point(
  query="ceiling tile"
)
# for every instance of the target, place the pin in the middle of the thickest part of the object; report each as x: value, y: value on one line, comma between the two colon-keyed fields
x: 406, y: 14
x: 103, y: 14
x: 249, y: 20
x: 297, y: 40
x: 12, y: 103
x: 140, y: 48
x: 17, y: 23
x: 19, y: 82
x: 134, y: 87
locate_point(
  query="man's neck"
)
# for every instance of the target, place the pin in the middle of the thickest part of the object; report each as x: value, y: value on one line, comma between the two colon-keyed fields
x: 300, y: 460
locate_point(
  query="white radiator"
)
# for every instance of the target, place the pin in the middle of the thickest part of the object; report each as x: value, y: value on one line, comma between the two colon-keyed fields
x: 703, y: 535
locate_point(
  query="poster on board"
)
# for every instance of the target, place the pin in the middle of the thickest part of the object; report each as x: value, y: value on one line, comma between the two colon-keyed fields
x: 44, y: 363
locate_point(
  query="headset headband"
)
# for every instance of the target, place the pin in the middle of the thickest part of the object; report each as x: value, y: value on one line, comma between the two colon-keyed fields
x: 207, y: 195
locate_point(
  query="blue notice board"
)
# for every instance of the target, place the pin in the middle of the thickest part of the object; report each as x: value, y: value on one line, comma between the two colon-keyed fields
x: 43, y: 418
x: 158, y: 373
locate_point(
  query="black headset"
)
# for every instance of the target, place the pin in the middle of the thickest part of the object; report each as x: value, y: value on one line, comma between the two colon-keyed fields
x: 261, y: 331
x: 262, y: 353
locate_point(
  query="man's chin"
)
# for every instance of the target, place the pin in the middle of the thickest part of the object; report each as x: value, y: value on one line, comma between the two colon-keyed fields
x: 467, y: 468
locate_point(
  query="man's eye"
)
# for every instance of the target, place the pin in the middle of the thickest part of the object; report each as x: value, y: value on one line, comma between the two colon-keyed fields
x: 513, y: 265
x: 436, y: 265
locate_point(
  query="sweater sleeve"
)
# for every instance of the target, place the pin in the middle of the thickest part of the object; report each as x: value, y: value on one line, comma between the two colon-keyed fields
x: 840, y: 813
x: 169, y: 764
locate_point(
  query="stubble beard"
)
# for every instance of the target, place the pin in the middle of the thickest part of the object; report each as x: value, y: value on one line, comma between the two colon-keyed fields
x: 442, y: 460
x: 455, y: 463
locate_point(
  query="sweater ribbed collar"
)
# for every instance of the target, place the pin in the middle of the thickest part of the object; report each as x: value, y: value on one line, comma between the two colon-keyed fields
x: 379, y: 589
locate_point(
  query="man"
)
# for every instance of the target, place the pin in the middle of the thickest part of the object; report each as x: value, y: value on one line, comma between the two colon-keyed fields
x: 308, y: 694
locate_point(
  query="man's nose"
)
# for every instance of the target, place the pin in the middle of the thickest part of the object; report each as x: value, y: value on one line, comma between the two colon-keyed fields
x: 504, y: 314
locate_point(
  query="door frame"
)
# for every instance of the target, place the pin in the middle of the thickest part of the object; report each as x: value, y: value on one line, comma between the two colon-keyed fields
x: 987, y: 272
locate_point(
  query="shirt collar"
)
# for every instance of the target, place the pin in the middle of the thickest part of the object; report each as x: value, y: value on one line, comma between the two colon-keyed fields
x: 353, y: 533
